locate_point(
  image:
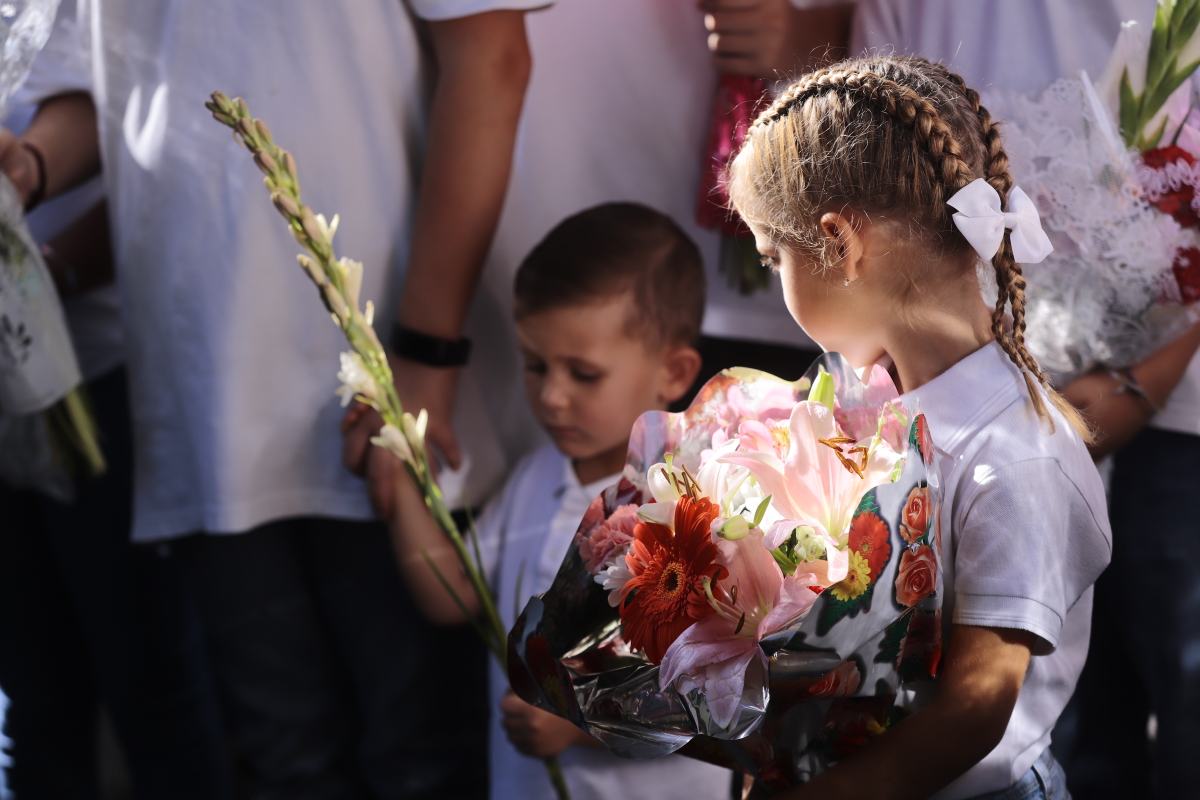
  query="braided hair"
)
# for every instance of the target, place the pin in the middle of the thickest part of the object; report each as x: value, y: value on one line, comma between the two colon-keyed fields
x: 896, y: 137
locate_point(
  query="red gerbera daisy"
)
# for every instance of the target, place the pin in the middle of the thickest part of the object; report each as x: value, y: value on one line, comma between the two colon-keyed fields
x: 666, y: 595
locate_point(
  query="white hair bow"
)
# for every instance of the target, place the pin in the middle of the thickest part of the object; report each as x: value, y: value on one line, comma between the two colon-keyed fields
x: 982, y: 222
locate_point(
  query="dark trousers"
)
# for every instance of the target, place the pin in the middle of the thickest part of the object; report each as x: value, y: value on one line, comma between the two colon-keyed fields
x: 332, y: 683
x: 1145, y: 651
x: 87, y: 618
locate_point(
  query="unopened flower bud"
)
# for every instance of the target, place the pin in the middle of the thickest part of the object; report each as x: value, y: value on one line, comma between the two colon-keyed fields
x: 262, y: 130
x: 286, y: 205
x: 265, y: 162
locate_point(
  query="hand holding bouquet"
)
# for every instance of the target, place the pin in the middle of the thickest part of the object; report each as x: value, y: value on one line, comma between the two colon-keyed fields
x: 758, y: 545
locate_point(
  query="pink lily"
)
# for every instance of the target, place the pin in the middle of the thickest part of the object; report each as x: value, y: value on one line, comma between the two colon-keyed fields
x: 823, y: 478
x: 871, y: 408
x: 753, y: 602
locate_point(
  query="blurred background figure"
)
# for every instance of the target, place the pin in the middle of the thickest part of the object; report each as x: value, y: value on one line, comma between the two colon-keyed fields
x: 402, y: 117
x: 87, y: 619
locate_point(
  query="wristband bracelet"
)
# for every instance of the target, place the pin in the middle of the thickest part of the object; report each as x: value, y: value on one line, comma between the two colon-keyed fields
x: 432, y: 351
x: 39, y: 189
x: 1130, y: 385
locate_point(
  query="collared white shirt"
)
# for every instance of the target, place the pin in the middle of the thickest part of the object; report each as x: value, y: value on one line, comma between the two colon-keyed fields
x: 1025, y: 535
x: 526, y: 531
x: 232, y: 361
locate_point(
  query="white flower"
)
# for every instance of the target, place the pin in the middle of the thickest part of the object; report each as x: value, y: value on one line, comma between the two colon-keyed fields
x: 613, y: 579
x: 391, y: 439
x: 328, y: 229
x: 356, y: 380
x: 352, y: 275
x: 414, y: 431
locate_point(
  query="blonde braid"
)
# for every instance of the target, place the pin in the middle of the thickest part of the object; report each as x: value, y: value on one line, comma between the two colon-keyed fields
x: 896, y: 100
x: 1010, y: 279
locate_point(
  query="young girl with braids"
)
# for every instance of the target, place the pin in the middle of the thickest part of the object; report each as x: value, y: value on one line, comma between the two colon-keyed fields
x: 875, y: 187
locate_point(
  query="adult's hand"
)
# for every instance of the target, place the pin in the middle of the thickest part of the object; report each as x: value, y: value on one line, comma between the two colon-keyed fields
x: 18, y: 165
x: 1116, y: 414
x: 420, y: 387
x: 772, y: 38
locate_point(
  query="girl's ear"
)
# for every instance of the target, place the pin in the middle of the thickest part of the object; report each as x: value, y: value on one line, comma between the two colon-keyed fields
x: 680, y: 366
x: 844, y: 239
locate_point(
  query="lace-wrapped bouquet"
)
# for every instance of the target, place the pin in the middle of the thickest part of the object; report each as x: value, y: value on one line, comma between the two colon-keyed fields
x: 1110, y: 165
x: 759, y: 585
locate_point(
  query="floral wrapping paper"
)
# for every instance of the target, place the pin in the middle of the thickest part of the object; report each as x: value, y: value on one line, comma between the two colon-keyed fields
x: 835, y: 679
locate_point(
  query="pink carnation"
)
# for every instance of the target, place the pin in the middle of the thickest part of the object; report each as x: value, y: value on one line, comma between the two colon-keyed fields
x: 609, y: 539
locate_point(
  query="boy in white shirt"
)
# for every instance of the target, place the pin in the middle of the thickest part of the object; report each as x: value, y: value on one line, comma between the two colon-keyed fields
x: 607, y: 308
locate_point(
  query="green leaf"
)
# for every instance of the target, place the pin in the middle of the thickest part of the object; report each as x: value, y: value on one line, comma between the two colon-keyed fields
x: 761, y: 511
x: 834, y: 611
x: 869, y: 504
x: 1151, y: 141
x: 1130, y: 111
x: 893, y: 637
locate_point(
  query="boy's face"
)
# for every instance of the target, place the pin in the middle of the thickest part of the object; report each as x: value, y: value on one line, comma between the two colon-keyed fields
x: 588, y: 375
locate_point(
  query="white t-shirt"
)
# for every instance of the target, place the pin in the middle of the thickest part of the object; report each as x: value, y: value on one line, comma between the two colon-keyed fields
x: 1026, y: 533
x: 527, y: 530
x: 232, y: 361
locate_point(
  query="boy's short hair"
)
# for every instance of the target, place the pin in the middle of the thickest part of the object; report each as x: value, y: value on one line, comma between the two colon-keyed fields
x: 613, y: 248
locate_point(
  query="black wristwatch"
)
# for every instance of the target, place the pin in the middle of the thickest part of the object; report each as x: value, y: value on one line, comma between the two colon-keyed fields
x: 432, y: 351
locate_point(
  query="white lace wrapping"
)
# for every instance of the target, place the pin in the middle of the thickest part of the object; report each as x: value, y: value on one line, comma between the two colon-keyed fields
x: 1107, y: 294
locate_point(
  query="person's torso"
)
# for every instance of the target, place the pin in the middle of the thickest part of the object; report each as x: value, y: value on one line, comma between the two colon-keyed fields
x: 232, y: 358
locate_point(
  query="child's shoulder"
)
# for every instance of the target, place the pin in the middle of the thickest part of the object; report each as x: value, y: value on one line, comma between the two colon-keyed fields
x: 993, y: 441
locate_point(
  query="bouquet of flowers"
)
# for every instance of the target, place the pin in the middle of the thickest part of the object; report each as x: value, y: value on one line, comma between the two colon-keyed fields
x: 1110, y: 164
x: 758, y: 586
x: 38, y: 369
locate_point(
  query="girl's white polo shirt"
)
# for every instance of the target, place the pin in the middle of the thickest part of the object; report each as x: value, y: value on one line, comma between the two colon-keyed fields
x: 1025, y: 535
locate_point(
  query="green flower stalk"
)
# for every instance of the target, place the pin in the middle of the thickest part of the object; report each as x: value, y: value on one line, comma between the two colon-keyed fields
x: 1171, y: 41
x: 365, y: 373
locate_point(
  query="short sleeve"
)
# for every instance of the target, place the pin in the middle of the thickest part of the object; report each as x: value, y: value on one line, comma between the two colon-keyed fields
x: 62, y: 65
x: 1027, y: 544
x: 439, y: 10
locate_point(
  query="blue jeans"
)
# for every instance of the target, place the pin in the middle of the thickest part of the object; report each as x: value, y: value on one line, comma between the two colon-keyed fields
x: 1045, y: 780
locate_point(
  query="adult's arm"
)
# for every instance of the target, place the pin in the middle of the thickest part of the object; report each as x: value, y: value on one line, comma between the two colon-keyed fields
x: 483, y: 66
x: 1118, y: 415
